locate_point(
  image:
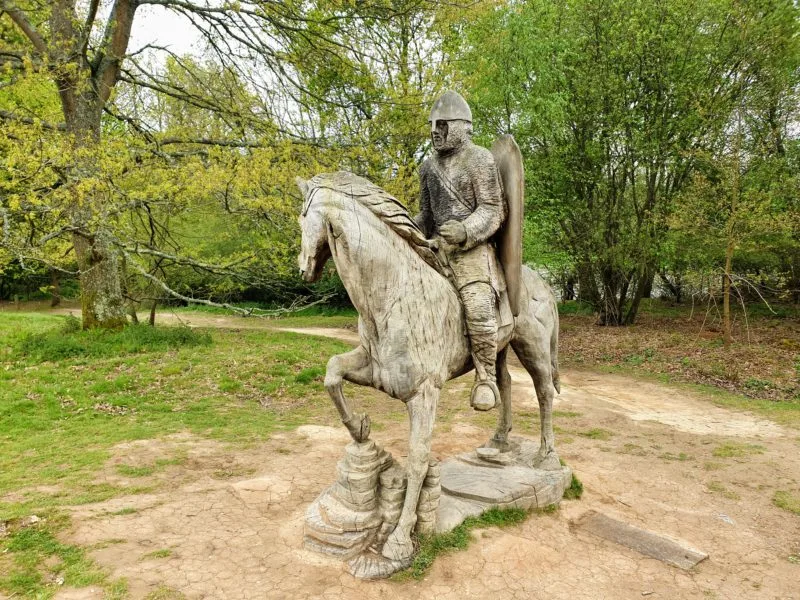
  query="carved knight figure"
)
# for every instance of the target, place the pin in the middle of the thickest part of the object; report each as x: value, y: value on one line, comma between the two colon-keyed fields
x: 462, y: 206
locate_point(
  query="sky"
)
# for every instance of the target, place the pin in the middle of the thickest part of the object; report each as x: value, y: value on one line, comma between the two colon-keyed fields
x: 157, y: 25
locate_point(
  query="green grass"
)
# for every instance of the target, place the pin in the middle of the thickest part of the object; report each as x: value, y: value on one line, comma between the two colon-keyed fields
x: 597, y: 433
x: 737, y: 450
x: 60, y: 418
x: 125, y: 511
x: 680, y: 457
x: 66, y: 342
x: 787, y: 501
x: 718, y: 488
x: 67, y: 397
x: 162, y: 553
x: 34, y: 563
x: 575, y: 489
x: 164, y: 593
x: 431, y: 546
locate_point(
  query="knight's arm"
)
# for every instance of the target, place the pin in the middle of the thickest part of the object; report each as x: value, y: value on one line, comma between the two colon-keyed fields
x: 487, y: 218
x: 424, y: 219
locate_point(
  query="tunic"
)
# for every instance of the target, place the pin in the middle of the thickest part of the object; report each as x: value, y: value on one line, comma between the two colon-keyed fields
x: 471, y: 172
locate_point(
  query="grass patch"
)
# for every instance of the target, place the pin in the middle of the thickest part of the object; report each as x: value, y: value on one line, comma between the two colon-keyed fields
x: 162, y: 553
x: 65, y: 342
x: 575, y: 489
x: 39, y: 563
x: 597, y: 433
x: 566, y: 414
x: 134, y: 471
x: 60, y: 419
x: 164, y: 592
x: 718, y: 488
x: 787, y: 501
x: 68, y: 397
x: 736, y: 450
x: 458, y: 539
x: 681, y: 457
x: 129, y: 510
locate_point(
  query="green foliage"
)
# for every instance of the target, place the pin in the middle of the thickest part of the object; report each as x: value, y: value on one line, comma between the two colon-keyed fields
x: 68, y: 343
x: 613, y: 105
x: 575, y: 489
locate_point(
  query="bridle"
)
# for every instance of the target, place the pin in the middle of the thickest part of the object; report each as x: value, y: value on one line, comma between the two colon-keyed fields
x: 308, y: 201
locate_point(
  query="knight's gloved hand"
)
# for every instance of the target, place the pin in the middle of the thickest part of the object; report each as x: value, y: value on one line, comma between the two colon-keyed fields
x: 453, y: 232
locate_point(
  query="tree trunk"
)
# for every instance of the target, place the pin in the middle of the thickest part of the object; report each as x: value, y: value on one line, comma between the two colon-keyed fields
x: 647, y: 284
x: 153, y: 313
x: 55, y: 288
x: 726, y: 294
x: 587, y: 286
x: 102, y: 303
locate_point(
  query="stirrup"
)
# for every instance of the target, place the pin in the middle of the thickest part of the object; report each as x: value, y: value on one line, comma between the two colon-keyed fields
x: 481, y: 405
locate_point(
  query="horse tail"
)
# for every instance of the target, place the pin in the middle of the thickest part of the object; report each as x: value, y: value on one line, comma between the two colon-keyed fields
x: 554, y: 349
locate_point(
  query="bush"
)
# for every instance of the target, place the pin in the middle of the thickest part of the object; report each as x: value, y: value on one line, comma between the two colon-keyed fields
x: 67, y: 342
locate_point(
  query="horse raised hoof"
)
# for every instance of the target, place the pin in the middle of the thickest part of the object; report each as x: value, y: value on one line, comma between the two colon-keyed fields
x: 359, y: 427
x: 485, y: 396
x: 398, y: 547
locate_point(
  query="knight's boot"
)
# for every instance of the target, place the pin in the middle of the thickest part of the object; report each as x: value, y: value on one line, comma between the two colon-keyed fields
x: 485, y: 394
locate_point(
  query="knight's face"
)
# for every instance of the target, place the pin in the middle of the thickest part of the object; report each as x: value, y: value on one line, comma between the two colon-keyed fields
x: 450, y: 136
x: 439, y: 131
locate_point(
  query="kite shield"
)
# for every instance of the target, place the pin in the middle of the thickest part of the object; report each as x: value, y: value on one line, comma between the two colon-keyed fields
x: 508, y: 158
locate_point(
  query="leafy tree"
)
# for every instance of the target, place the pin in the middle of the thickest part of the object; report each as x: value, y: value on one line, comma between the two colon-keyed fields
x: 613, y: 103
x: 101, y: 177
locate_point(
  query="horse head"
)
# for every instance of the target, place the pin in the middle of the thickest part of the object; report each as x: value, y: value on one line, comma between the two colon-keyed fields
x: 314, y: 228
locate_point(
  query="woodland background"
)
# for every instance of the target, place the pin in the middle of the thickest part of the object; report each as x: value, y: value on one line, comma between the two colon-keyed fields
x: 660, y: 142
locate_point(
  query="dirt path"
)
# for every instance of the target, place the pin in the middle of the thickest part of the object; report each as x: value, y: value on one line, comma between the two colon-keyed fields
x: 229, y: 526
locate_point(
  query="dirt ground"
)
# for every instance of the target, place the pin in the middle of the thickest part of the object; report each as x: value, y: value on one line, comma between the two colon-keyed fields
x: 229, y: 526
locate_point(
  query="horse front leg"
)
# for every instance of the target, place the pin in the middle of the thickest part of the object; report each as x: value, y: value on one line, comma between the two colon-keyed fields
x: 354, y: 366
x: 421, y: 414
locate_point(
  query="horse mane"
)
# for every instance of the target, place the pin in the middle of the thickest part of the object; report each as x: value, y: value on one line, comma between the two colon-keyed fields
x: 383, y: 205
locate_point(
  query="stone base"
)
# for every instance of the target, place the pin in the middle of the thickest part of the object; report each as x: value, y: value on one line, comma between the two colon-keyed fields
x: 477, y: 481
x: 353, y: 518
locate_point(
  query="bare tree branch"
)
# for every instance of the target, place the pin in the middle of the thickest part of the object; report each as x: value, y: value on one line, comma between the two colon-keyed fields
x: 10, y: 116
x: 25, y: 25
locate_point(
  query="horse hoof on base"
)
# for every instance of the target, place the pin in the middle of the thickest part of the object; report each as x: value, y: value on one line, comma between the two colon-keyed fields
x: 548, y: 462
x: 483, y: 397
x: 501, y: 445
x: 398, y: 547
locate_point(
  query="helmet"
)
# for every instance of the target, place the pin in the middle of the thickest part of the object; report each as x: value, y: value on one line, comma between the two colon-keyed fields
x: 450, y: 106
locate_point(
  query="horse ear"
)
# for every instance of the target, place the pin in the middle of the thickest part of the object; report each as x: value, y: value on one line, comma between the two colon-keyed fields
x: 303, y: 185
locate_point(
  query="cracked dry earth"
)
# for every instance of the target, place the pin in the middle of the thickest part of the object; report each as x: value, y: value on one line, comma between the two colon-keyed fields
x: 233, y: 523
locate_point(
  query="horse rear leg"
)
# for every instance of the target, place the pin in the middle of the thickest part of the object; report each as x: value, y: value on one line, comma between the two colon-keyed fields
x: 421, y: 414
x: 532, y: 346
x: 353, y: 366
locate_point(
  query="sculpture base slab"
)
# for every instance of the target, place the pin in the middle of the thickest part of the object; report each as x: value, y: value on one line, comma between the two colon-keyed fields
x: 472, y: 484
x: 353, y: 518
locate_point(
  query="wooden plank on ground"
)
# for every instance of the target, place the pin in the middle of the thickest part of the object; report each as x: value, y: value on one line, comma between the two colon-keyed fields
x: 663, y: 548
